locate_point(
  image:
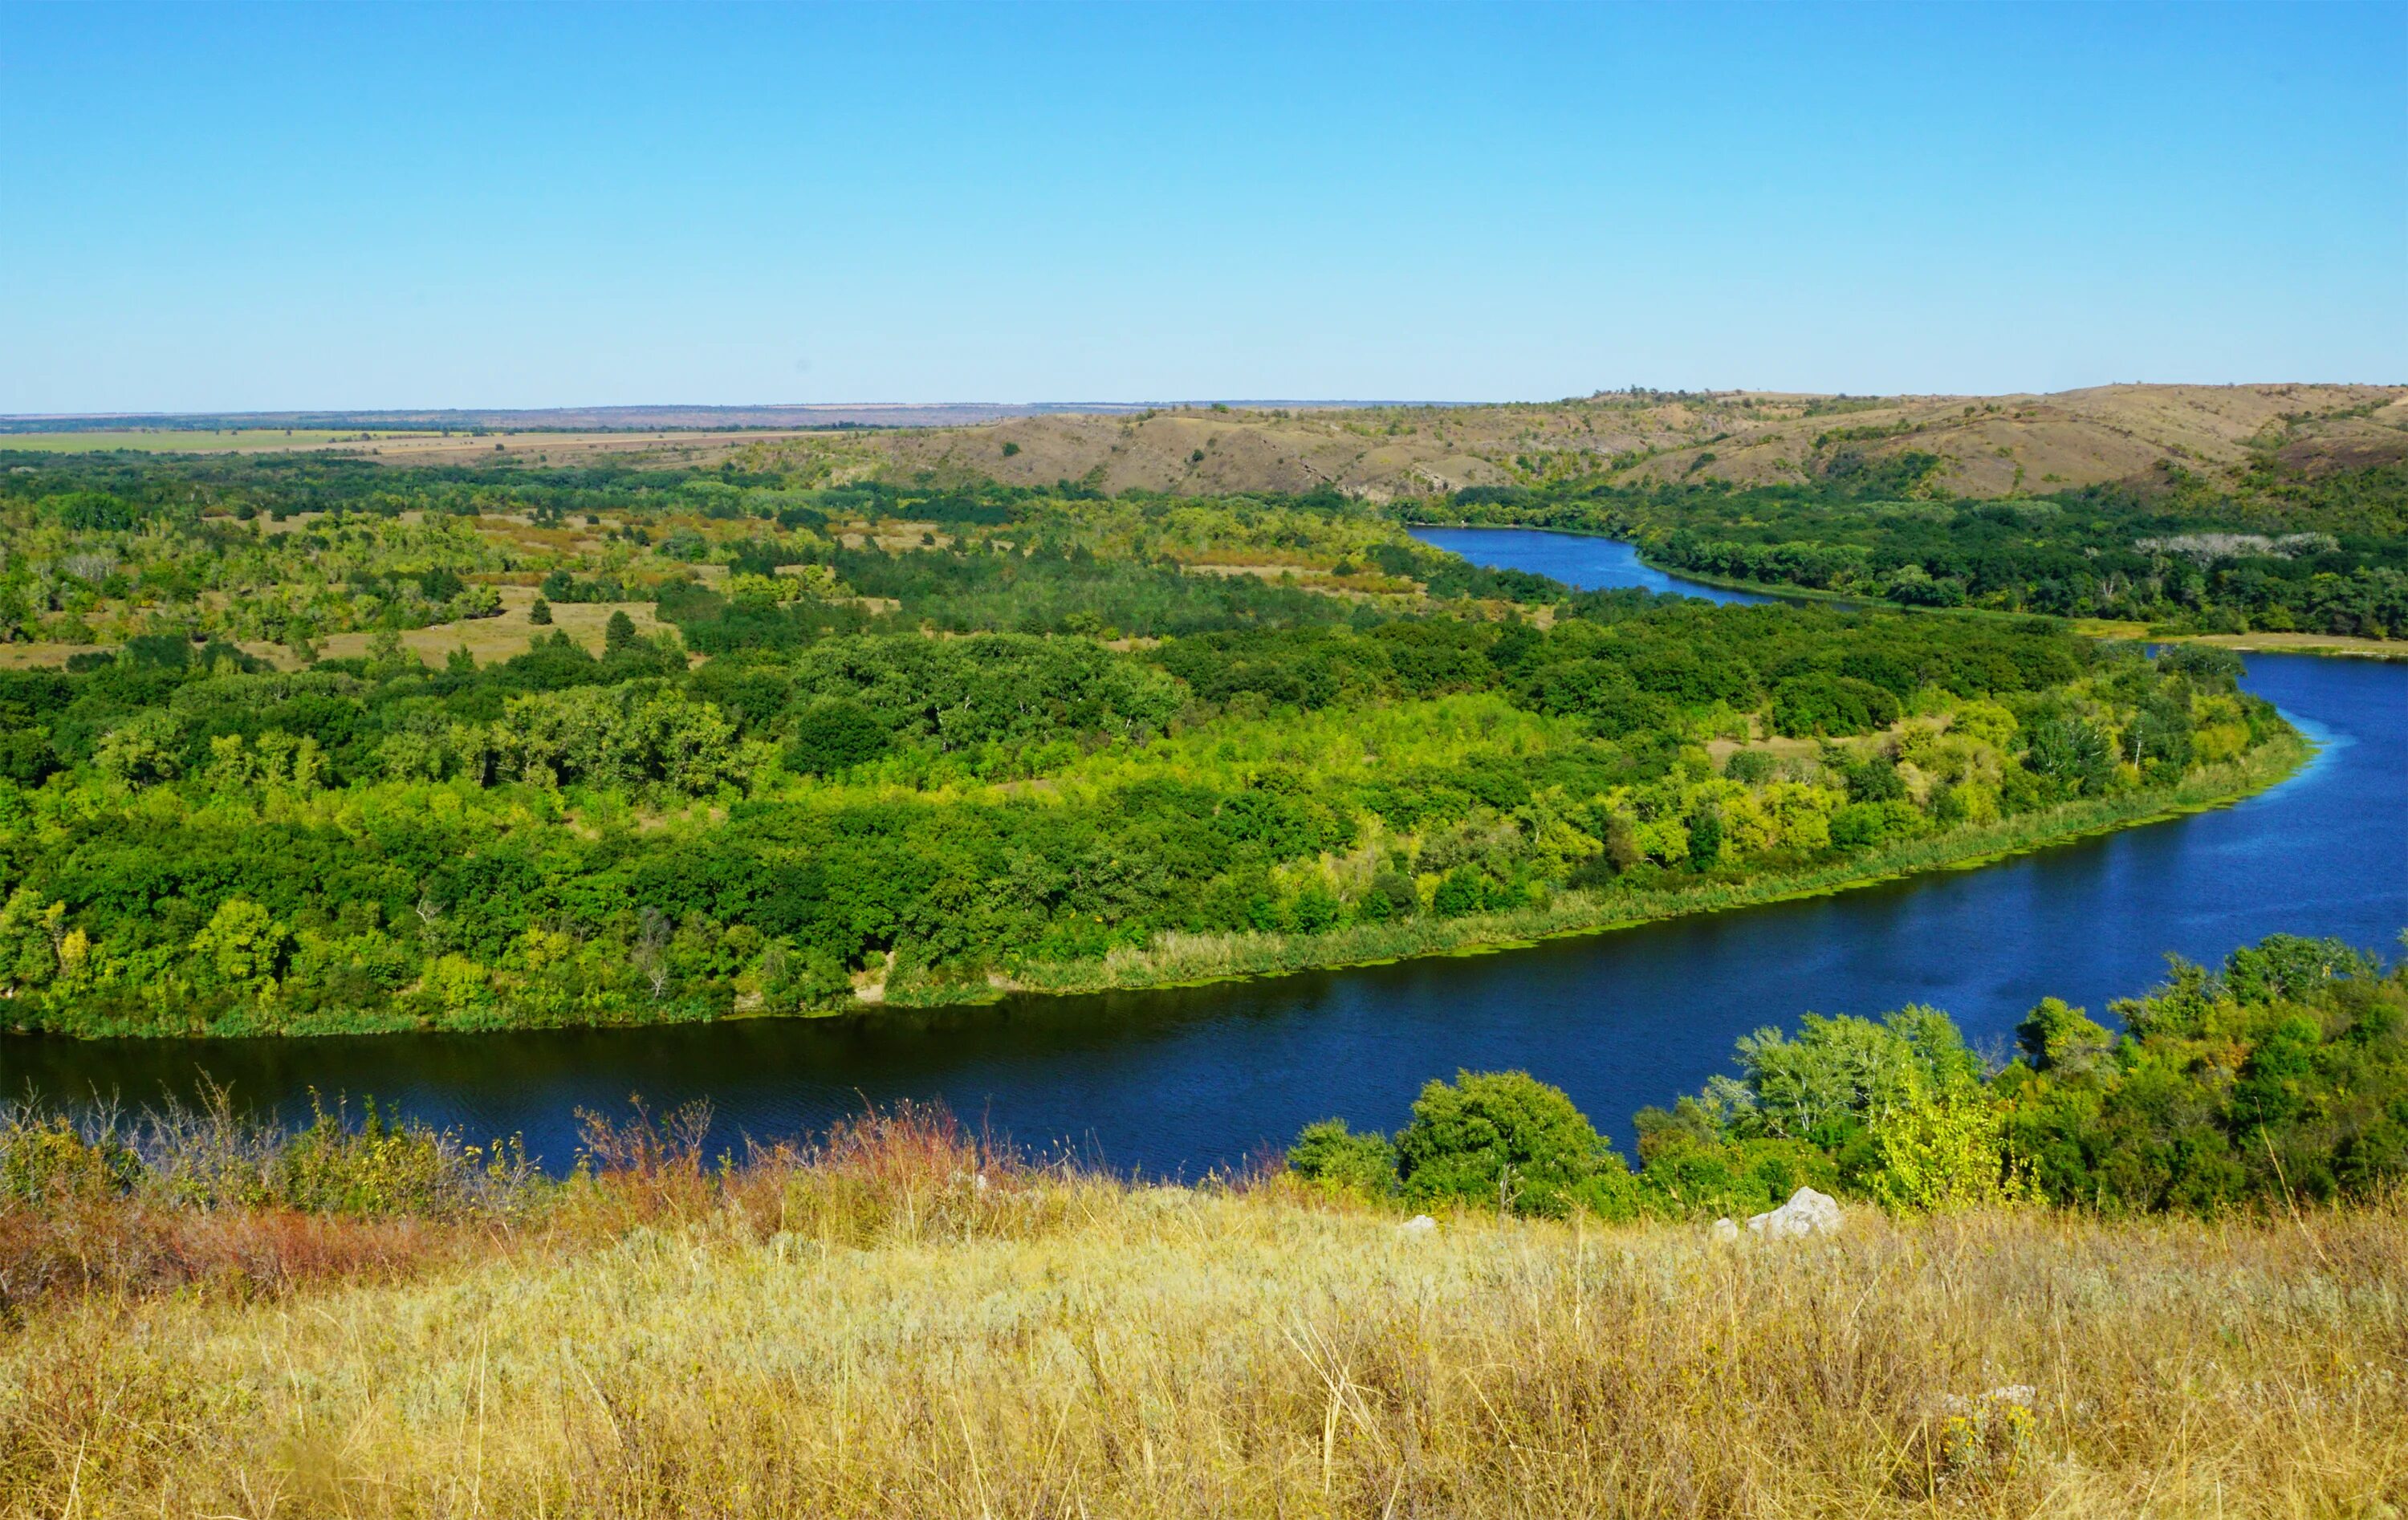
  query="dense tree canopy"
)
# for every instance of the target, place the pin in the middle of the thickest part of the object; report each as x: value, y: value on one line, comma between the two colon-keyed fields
x: 2327, y: 554
x: 785, y: 741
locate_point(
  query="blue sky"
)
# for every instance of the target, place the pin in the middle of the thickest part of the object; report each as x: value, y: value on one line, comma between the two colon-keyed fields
x: 206, y: 208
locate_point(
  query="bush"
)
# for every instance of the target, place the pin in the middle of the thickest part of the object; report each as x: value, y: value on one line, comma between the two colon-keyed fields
x: 2072, y: 751
x: 1860, y: 826
x: 1749, y: 767
x: 1331, y: 1156
x: 1500, y: 1138
x: 1461, y: 892
x: 381, y: 1167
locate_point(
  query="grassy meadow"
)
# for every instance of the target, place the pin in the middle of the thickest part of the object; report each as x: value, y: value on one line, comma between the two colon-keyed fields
x: 903, y: 1323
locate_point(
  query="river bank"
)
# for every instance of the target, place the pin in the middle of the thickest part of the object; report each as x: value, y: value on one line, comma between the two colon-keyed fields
x: 1679, y: 581
x: 1201, y: 960
x: 1180, y: 1080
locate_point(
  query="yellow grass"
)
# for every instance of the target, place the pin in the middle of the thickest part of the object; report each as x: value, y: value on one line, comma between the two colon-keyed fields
x: 809, y: 1344
x: 490, y: 640
x: 495, y: 638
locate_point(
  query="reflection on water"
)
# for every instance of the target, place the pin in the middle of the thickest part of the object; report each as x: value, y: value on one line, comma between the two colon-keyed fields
x: 1187, y: 1080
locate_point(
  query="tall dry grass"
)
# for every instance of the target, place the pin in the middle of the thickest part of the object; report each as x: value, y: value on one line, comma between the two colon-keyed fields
x: 903, y: 1323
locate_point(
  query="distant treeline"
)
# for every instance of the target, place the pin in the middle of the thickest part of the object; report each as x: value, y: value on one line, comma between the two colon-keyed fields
x: 2326, y: 555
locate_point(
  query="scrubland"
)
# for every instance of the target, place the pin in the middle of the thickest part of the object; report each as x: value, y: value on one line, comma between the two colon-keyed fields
x: 905, y: 1322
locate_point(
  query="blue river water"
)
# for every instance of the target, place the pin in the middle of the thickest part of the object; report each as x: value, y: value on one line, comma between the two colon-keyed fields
x: 1579, y: 560
x: 1184, y: 1080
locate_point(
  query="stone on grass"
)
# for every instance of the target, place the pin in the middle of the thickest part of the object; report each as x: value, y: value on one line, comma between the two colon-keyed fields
x: 1807, y: 1212
x: 1418, y: 1226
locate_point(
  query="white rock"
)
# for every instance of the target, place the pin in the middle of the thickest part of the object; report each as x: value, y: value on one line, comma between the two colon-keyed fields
x: 1723, y: 1230
x: 1807, y: 1212
x: 1419, y: 1225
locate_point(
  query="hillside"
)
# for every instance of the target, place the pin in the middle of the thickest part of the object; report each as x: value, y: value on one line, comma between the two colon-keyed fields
x: 1987, y: 446
x: 908, y: 1324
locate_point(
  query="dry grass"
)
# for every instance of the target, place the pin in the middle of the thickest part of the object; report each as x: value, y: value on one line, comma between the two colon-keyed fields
x: 2267, y: 642
x: 495, y: 638
x: 903, y: 1324
x: 1994, y: 446
x: 489, y: 640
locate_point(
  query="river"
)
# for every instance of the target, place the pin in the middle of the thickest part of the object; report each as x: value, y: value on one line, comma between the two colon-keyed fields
x: 1181, y: 1081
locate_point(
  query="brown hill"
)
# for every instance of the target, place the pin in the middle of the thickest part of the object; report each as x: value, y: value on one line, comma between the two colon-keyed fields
x: 1986, y: 446
x: 1980, y: 445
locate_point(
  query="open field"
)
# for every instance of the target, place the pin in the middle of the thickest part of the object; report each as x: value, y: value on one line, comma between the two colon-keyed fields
x: 662, y: 448
x: 911, y: 1325
x: 489, y: 640
x: 259, y: 440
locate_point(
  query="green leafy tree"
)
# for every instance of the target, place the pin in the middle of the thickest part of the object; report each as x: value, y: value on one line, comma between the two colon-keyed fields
x: 835, y: 735
x: 241, y: 949
x: 1503, y: 1140
x: 143, y: 751
x: 2054, y: 1037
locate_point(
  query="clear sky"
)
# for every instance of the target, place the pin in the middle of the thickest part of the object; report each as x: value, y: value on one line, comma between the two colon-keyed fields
x: 339, y: 206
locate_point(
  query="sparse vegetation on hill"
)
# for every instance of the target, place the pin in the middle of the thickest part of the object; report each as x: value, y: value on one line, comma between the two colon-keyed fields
x: 1973, y: 447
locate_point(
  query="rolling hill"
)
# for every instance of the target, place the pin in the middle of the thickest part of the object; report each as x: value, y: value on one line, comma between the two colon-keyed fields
x: 1966, y: 445
x: 1984, y: 446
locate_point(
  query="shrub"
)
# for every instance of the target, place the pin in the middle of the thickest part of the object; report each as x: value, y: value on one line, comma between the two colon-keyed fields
x: 45, y: 1159
x: 2072, y: 751
x: 1500, y: 1138
x: 1461, y: 892
x: 1330, y: 1156
x: 1749, y: 767
x: 383, y: 1167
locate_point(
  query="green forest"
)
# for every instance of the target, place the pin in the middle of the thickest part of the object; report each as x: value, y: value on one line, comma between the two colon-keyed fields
x: 2280, y: 1077
x: 310, y: 745
x: 2284, y: 553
